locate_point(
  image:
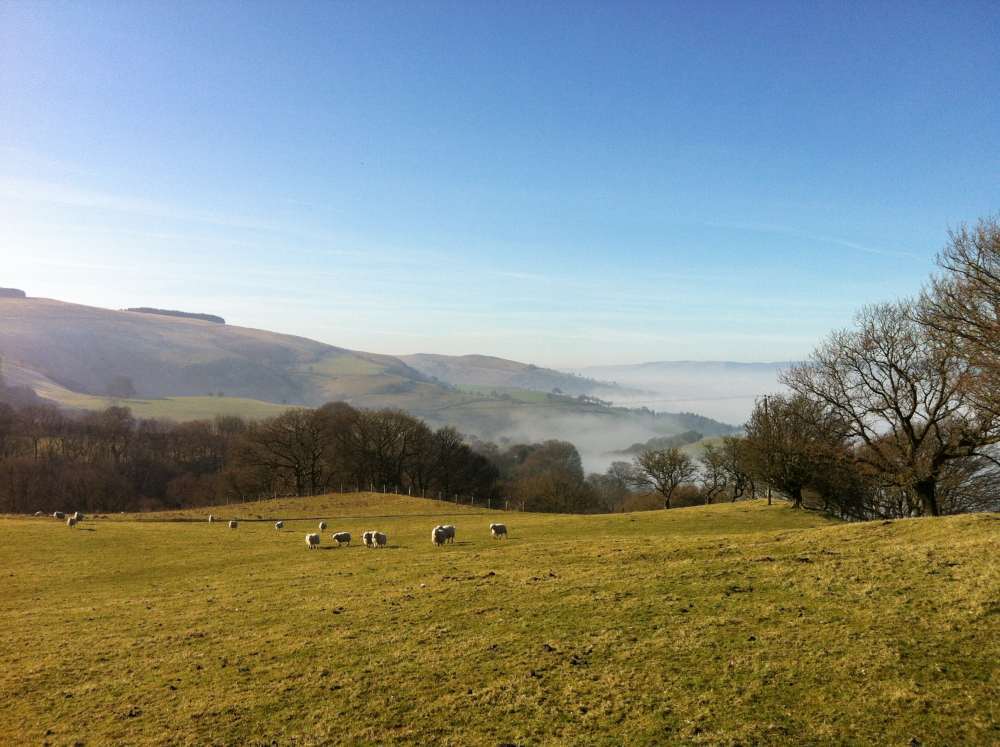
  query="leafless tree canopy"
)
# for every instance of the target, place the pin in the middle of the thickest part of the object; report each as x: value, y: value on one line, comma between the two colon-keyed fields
x: 901, y: 394
x: 790, y: 440
x: 962, y: 306
x: 665, y: 470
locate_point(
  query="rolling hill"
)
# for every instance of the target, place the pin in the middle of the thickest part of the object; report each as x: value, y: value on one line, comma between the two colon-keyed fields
x: 486, y: 373
x: 718, y: 625
x: 177, y: 367
x: 84, y: 349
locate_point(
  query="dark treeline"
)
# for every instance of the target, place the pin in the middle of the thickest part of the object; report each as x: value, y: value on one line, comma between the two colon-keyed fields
x: 110, y: 461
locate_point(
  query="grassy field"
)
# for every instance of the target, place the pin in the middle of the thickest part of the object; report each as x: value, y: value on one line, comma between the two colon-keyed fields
x: 518, y: 395
x: 735, y: 624
x: 180, y: 409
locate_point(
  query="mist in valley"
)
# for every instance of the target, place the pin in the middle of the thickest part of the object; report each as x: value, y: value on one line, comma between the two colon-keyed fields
x: 597, y: 436
x: 722, y: 390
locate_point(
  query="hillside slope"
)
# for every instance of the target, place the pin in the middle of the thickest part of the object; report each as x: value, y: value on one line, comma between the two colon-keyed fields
x: 488, y: 372
x: 84, y: 349
x: 731, y: 624
x: 174, y: 367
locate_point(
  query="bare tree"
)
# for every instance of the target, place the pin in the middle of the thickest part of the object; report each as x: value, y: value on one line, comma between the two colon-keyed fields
x: 736, y: 462
x: 901, y: 394
x: 790, y: 439
x: 962, y: 307
x: 665, y: 470
x: 292, y: 445
x: 714, y: 472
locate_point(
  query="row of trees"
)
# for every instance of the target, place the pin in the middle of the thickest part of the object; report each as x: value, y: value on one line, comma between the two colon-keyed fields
x: 111, y: 461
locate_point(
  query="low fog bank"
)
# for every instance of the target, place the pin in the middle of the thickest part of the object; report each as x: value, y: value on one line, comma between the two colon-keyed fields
x: 720, y: 390
x: 596, y: 436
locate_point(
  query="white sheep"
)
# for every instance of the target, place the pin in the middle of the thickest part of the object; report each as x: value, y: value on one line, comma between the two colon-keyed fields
x: 499, y: 531
x: 368, y: 538
x: 322, y: 526
x: 312, y: 541
x: 279, y: 525
x: 449, y: 532
x: 78, y: 516
x: 71, y: 522
x: 439, y: 536
x: 341, y: 538
x: 58, y: 515
x: 380, y: 539
x: 233, y: 524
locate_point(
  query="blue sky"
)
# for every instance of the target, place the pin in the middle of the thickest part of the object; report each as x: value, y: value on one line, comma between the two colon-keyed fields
x: 562, y: 183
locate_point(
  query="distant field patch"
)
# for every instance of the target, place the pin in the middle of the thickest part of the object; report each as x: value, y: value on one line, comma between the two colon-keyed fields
x: 519, y: 395
x: 179, y: 408
x: 345, y: 365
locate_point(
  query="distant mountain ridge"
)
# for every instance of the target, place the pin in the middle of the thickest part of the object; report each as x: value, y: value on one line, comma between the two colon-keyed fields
x: 685, y: 365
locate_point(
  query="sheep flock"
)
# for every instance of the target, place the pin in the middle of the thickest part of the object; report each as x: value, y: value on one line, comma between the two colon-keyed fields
x: 441, y: 534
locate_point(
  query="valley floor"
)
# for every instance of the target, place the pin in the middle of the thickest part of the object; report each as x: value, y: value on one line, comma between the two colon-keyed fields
x: 734, y: 624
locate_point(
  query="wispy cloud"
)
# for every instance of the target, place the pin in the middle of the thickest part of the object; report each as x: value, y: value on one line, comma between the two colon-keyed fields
x: 797, y: 233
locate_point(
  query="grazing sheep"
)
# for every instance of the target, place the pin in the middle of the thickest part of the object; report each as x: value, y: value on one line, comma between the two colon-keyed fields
x: 312, y: 541
x: 232, y: 525
x: 211, y: 519
x: 380, y: 539
x: 439, y: 536
x: 499, y: 531
x: 71, y: 522
x: 78, y: 516
x: 279, y: 525
x: 341, y: 538
x: 322, y: 526
x: 449, y: 532
x: 58, y: 515
x: 368, y: 538
x: 39, y: 513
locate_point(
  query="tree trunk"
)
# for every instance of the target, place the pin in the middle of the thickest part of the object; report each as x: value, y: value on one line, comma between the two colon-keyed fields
x: 796, y: 497
x: 926, y: 490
